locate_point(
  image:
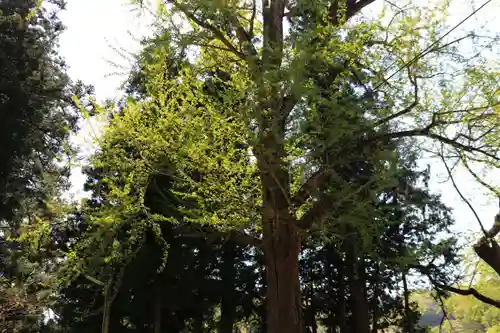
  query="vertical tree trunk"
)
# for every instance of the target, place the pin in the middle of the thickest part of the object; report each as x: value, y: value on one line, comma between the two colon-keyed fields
x: 376, y: 295
x: 408, y: 319
x: 282, y: 247
x: 341, y: 314
x: 310, y: 310
x: 357, y: 282
x: 228, y: 310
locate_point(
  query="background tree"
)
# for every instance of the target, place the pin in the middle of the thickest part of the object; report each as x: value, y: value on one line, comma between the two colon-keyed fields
x: 38, y: 115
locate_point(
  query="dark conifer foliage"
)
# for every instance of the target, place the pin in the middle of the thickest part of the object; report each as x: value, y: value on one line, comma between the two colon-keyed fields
x: 38, y: 114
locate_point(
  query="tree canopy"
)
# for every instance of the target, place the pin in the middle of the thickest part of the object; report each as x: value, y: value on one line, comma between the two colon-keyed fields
x: 262, y: 172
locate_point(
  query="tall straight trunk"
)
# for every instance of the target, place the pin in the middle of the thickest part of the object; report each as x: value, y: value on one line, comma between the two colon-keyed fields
x: 281, y: 236
x: 376, y: 295
x: 341, y: 314
x: 408, y: 322
x: 310, y: 313
x: 281, y: 250
x: 357, y: 283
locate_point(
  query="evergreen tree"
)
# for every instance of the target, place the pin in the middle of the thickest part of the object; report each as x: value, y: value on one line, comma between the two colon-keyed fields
x: 38, y: 115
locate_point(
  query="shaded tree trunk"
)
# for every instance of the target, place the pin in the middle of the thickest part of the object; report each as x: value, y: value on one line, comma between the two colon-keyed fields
x: 310, y: 311
x: 281, y: 236
x: 408, y: 318
x: 357, y: 283
x: 228, y: 310
x: 284, y: 308
x: 376, y: 295
x: 341, y: 314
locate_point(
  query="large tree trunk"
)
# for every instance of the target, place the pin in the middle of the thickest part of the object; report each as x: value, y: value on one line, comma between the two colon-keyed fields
x: 281, y: 237
x: 284, y: 308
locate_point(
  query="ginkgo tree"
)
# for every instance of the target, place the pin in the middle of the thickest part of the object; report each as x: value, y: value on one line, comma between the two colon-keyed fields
x: 304, y: 88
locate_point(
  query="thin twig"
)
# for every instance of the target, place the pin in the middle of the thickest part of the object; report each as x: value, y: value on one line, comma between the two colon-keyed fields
x: 467, y: 202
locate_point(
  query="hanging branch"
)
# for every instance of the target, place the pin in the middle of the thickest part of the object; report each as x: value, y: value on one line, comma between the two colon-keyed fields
x: 464, y: 199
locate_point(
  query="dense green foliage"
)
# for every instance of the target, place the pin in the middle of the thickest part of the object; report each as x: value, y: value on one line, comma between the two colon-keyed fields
x: 260, y: 175
x: 38, y: 114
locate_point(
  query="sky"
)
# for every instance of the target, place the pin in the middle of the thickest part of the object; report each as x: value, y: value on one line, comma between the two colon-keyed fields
x: 96, y: 27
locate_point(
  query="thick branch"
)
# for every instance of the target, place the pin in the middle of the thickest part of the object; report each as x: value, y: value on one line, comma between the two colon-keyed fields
x: 245, y: 38
x: 239, y: 237
x: 273, y: 12
x: 319, y: 209
x: 425, y: 132
x: 487, y: 247
x: 93, y: 280
x: 471, y: 292
x: 214, y: 30
x: 310, y: 186
x: 288, y: 104
x: 353, y: 7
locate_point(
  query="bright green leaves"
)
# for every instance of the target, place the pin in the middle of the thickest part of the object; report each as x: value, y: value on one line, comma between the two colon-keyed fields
x: 202, y: 141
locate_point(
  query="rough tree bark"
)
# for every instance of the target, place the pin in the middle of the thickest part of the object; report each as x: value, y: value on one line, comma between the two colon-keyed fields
x: 284, y: 308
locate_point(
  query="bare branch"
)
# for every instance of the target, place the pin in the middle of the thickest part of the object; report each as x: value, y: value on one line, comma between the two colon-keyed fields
x: 425, y: 132
x: 409, y: 108
x: 93, y: 280
x: 470, y: 292
x: 214, y: 30
x: 479, y: 180
x: 464, y: 292
x: 464, y: 199
x: 237, y: 236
